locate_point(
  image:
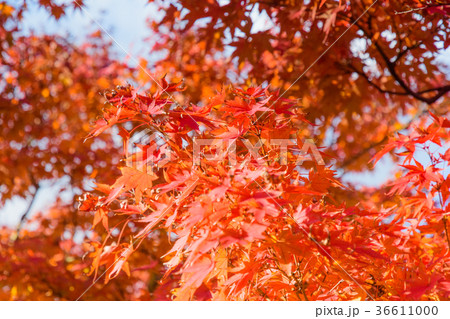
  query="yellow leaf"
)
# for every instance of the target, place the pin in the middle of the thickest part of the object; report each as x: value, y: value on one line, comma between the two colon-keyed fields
x: 13, y: 292
x: 45, y: 93
x: 55, y: 125
x: 6, y: 10
x: 408, y: 42
x: 376, y: 36
x: 103, y: 83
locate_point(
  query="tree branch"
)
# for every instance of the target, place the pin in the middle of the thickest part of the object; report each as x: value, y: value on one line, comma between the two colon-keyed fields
x: 376, y: 86
x: 423, y: 8
x: 365, y: 150
x: 391, y: 66
x: 349, y: 161
x: 27, y: 211
x: 402, y: 53
x: 446, y: 231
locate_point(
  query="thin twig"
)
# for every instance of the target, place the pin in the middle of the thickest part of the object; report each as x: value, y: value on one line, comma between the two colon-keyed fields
x: 385, y: 138
x: 446, y: 231
x: 423, y: 8
x: 27, y: 211
x: 392, y: 67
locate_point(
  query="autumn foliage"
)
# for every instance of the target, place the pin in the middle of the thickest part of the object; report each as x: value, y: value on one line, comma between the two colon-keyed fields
x: 209, y: 203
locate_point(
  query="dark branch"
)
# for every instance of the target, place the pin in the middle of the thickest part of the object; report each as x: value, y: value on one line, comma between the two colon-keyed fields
x: 376, y: 86
x: 402, y: 53
x: 27, y: 211
x: 391, y: 66
x: 368, y: 148
x: 349, y: 161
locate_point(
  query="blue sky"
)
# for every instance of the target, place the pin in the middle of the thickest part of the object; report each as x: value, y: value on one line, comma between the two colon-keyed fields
x: 125, y: 21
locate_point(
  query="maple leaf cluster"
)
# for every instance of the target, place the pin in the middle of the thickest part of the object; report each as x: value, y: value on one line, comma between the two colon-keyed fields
x: 194, y: 196
x: 357, y: 84
x: 48, y: 94
x: 260, y: 229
